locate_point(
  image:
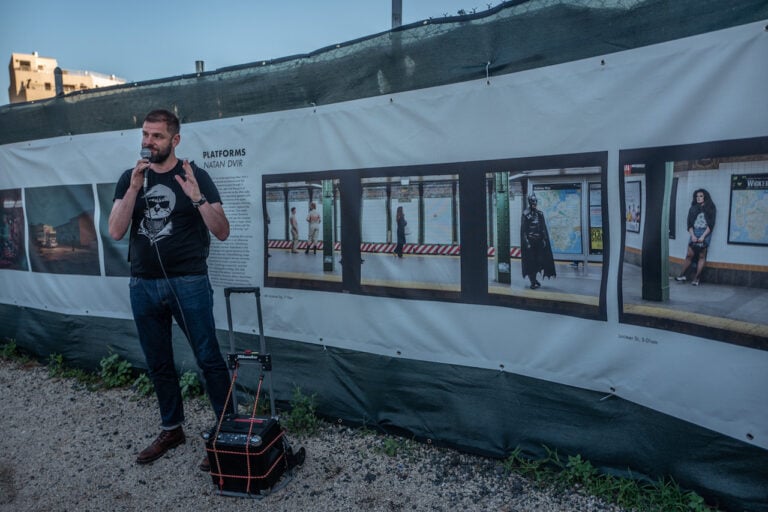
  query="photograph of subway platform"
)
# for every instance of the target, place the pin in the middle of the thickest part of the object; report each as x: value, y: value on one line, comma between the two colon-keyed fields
x: 667, y: 280
x: 407, y: 239
x: 471, y: 253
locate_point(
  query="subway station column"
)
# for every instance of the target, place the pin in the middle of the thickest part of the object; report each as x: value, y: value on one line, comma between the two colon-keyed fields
x: 655, y: 259
x: 328, y: 225
x: 474, y: 238
x: 502, y: 259
x: 351, y: 192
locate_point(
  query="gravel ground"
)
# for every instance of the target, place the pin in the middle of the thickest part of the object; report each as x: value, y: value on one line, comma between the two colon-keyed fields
x: 69, y: 449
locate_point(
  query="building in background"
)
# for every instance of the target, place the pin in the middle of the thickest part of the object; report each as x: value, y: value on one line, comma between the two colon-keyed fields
x: 34, y: 78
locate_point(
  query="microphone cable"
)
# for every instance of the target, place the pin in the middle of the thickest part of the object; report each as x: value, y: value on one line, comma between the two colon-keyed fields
x: 154, y: 244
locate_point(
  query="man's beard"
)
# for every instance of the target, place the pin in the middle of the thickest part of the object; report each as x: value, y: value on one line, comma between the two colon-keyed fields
x: 161, y: 156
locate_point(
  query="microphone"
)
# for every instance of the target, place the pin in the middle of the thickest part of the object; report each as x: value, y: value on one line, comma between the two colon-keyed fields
x: 146, y: 153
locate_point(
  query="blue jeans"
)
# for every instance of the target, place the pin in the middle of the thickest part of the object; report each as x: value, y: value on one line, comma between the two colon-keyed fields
x: 188, y: 299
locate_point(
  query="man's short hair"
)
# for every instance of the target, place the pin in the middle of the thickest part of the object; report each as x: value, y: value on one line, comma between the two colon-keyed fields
x: 164, y: 116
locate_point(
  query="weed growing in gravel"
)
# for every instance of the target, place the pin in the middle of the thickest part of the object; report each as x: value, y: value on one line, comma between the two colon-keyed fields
x: 394, y: 446
x: 57, y: 369
x: 191, y: 387
x: 365, y: 430
x: 390, y: 446
x: 56, y: 365
x: 662, y: 496
x: 115, y: 372
x: 262, y: 408
x: 11, y: 352
x: 301, y: 418
x: 142, y: 385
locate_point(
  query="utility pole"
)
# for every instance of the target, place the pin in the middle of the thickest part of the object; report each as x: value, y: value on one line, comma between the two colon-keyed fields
x: 397, y: 13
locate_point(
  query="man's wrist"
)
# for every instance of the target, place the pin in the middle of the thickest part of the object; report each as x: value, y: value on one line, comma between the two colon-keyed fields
x: 199, y: 202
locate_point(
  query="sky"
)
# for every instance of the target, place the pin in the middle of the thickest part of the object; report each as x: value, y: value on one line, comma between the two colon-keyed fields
x: 144, y: 40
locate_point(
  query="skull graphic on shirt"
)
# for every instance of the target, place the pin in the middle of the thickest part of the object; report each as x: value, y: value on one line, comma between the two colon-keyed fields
x: 157, y: 223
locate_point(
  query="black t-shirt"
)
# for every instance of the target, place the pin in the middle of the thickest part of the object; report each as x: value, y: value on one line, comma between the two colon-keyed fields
x: 165, y: 224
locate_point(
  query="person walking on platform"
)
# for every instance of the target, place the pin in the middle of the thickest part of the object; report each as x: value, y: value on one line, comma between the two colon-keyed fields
x: 171, y: 206
x: 536, y: 250
x: 314, y: 228
x: 401, y: 223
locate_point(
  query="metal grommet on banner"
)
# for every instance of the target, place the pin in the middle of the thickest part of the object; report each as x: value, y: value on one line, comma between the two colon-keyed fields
x: 609, y: 395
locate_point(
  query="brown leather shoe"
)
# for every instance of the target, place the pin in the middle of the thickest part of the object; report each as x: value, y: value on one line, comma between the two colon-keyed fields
x: 166, y: 440
x: 205, y: 464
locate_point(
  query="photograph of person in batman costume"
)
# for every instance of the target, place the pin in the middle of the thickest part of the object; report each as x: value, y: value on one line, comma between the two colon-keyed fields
x: 536, y: 250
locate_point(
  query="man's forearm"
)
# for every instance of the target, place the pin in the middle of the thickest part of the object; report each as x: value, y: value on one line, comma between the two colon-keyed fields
x: 215, y: 220
x: 120, y: 217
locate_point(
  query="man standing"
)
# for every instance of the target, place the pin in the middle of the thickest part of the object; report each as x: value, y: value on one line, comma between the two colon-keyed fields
x: 314, y: 228
x: 294, y: 230
x: 536, y: 251
x: 170, y: 207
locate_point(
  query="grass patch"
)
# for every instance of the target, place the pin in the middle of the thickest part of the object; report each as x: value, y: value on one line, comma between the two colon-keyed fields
x: 11, y: 352
x: 57, y: 369
x: 302, y: 417
x: 665, y: 495
x: 393, y: 446
x: 142, y: 386
x: 115, y: 372
x: 191, y: 387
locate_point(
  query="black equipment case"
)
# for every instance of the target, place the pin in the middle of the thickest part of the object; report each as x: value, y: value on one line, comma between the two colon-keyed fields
x: 250, y: 455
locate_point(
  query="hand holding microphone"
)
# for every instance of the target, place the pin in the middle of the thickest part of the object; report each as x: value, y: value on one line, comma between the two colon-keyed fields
x: 146, y: 153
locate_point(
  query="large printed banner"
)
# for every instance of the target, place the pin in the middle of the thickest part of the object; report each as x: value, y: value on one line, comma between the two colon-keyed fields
x: 420, y: 196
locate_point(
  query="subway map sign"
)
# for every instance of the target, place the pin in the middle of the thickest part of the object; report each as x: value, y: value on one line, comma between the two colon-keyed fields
x: 748, y: 220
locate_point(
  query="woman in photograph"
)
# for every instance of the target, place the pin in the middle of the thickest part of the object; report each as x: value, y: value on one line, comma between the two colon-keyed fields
x: 701, y: 222
x: 401, y: 223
